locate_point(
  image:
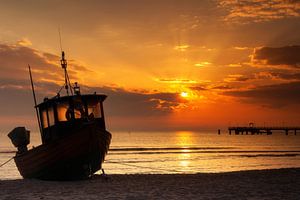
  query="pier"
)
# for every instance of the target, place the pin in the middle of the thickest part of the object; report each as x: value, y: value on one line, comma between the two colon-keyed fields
x: 240, y: 130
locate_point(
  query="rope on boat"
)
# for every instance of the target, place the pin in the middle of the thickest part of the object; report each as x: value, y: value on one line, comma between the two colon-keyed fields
x: 152, y: 168
x: 6, y: 162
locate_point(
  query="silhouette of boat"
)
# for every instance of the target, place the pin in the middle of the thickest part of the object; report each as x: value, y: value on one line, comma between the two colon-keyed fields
x: 74, y: 137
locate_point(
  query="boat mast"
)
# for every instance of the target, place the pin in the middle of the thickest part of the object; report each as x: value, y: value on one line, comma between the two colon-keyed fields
x: 34, y: 98
x: 64, y: 65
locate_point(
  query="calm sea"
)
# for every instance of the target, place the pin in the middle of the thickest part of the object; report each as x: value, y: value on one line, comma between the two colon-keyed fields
x: 184, y: 152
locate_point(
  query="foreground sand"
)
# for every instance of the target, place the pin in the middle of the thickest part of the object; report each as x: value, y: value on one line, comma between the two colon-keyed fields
x: 262, y: 184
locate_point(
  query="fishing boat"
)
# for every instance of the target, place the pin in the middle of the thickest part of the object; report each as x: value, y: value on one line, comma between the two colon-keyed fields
x: 73, y: 133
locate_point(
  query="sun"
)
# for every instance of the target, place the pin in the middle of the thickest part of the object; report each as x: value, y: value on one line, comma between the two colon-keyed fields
x: 184, y: 94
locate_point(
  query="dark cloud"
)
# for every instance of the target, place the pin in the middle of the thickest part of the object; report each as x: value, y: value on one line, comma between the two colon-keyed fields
x: 15, y: 90
x: 198, y: 88
x: 15, y: 102
x: 274, y: 96
x: 222, y: 87
x: 286, y: 75
x: 17, y: 99
x: 248, y: 11
x: 51, y: 57
x: 16, y: 96
x: 288, y: 55
x: 77, y: 67
x: 126, y: 103
x: 14, y: 60
x: 123, y: 109
x: 238, y: 78
x: 241, y: 79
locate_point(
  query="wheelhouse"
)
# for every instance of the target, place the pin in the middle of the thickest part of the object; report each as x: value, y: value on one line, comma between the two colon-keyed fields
x: 60, y: 115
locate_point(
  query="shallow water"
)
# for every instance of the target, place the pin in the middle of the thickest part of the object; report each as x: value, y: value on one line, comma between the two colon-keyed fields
x: 184, y: 152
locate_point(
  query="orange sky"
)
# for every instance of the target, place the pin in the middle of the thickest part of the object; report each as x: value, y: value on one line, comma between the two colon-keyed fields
x: 165, y: 65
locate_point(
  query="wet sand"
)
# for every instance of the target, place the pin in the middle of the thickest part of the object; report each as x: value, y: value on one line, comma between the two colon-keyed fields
x: 258, y: 184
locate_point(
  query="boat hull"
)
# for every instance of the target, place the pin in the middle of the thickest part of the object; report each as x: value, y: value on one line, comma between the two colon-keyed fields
x: 75, y: 156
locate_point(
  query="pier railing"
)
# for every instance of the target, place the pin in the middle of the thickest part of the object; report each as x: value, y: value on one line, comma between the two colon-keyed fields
x: 261, y: 129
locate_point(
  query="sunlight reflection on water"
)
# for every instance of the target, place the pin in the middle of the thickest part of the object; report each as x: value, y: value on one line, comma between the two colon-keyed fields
x: 192, y: 152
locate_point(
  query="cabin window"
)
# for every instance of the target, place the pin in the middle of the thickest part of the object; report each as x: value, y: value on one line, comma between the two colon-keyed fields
x: 94, y: 109
x: 48, y: 118
x: 62, y: 111
x: 51, y: 116
x: 44, y: 119
x: 78, y: 110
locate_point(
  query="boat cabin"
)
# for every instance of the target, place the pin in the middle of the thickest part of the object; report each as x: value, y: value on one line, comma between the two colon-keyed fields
x: 60, y: 115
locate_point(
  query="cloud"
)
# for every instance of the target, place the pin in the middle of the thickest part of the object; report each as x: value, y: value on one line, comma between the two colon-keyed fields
x: 242, y: 48
x: 137, y: 104
x: 78, y: 67
x: 175, y: 80
x: 198, y: 88
x: 14, y: 60
x: 16, y: 102
x: 287, y: 55
x: 248, y: 11
x: 222, y: 87
x: 236, y: 78
x: 181, y: 47
x: 235, y: 65
x: 202, y: 64
x: 16, y: 97
x: 24, y: 42
x: 286, y: 75
x: 275, y: 96
x: 51, y: 57
x: 123, y: 109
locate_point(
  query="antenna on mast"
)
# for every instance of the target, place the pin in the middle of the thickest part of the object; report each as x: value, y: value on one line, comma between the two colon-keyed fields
x: 64, y: 64
x: 59, y: 39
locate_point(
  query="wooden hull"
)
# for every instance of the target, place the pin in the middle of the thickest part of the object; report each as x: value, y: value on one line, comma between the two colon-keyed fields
x: 76, y: 156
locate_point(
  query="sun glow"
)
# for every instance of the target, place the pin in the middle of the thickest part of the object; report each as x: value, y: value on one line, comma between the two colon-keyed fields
x: 184, y: 94
x: 184, y: 139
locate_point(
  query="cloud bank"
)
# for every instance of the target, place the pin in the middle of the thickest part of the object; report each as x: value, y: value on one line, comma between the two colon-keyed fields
x: 16, y: 97
x: 273, y: 96
x: 248, y: 11
x: 287, y: 55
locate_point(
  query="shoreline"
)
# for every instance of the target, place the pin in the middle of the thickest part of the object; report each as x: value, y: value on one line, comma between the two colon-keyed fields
x: 251, y: 184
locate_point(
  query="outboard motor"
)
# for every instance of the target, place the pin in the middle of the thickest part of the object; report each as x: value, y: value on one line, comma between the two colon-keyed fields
x: 20, y: 137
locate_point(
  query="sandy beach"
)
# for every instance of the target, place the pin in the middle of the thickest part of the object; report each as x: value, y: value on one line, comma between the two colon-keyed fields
x: 258, y: 184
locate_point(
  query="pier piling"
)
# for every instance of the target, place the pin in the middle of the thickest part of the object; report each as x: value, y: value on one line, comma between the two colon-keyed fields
x: 260, y: 130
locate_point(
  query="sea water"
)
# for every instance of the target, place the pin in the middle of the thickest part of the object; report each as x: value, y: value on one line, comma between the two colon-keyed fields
x: 183, y: 152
